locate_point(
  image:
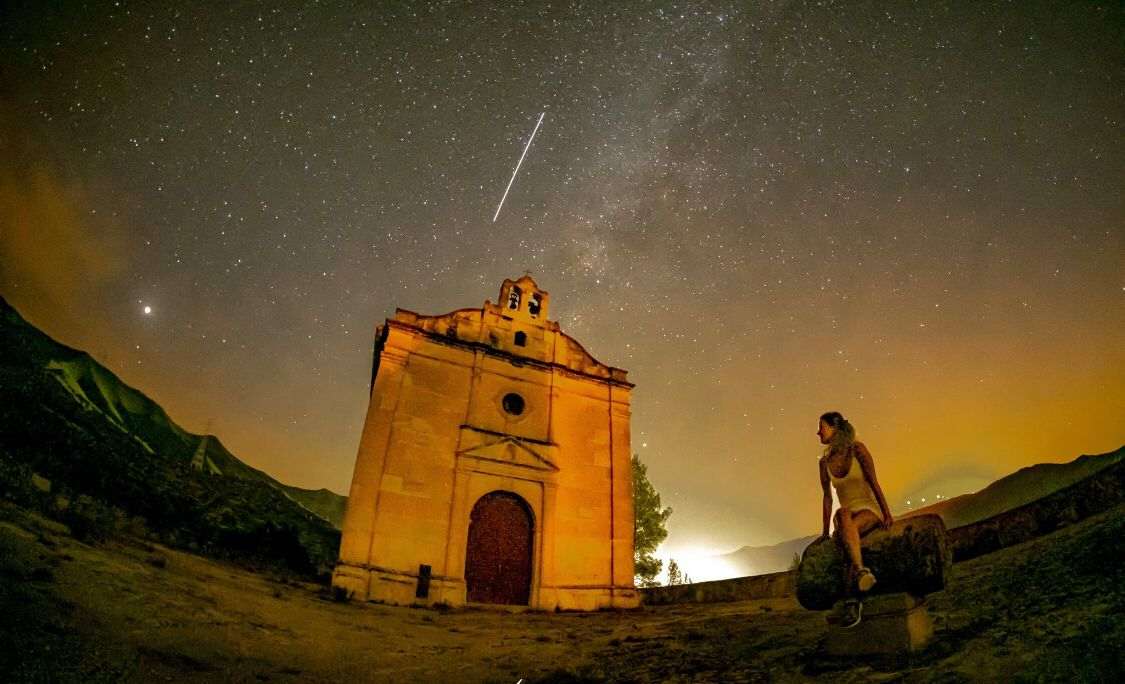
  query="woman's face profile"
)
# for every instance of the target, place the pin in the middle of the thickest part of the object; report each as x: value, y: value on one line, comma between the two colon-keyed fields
x: 825, y: 432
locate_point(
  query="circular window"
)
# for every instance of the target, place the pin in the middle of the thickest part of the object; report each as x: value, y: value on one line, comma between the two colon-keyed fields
x: 512, y: 403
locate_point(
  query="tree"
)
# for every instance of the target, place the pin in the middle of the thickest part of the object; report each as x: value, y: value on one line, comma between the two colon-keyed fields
x: 649, y: 521
x: 674, y: 575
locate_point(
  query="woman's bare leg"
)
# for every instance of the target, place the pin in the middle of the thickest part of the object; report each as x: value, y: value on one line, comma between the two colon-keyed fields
x: 851, y: 525
x: 849, y: 536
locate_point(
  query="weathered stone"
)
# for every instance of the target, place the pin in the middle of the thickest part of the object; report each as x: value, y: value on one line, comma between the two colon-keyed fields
x: 820, y: 576
x: 913, y: 556
x: 892, y: 623
x: 777, y: 585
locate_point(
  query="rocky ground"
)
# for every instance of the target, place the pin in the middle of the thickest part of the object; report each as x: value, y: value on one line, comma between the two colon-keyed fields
x: 1048, y: 610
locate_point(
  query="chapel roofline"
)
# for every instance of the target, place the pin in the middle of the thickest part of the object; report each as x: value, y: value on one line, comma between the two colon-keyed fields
x: 444, y: 328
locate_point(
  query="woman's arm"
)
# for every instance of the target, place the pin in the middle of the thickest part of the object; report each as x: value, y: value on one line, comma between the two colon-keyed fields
x: 827, y: 505
x: 868, y: 465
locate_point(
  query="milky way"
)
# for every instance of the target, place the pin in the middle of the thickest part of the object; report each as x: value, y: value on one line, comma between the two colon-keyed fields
x: 763, y: 211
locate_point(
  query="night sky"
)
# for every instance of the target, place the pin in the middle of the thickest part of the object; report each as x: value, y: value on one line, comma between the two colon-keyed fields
x: 763, y: 211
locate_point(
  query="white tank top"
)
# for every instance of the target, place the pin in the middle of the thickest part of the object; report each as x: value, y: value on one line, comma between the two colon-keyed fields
x: 852, y: 489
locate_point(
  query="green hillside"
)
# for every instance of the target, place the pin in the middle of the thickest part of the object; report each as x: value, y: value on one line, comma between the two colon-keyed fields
x: 325, y: 503
x: 72, y: 421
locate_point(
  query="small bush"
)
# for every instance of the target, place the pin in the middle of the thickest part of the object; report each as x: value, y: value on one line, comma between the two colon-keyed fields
x: 18, y: 486
x: 90, y: 520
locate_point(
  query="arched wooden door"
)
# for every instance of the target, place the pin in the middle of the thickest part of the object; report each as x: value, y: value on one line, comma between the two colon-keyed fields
x: 498, y: 557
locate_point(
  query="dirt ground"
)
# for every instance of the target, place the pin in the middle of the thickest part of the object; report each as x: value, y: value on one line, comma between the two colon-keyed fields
x: 1048, y: 610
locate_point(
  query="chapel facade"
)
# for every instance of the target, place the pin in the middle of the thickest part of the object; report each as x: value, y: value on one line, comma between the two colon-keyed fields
x: 494, y: 465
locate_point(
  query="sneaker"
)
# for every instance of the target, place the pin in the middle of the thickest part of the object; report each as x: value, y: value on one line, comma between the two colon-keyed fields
x: 851, y: 614
x: 865, y: 579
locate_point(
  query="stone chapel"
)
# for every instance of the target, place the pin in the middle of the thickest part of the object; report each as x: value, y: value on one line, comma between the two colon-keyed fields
x: 494, y: 465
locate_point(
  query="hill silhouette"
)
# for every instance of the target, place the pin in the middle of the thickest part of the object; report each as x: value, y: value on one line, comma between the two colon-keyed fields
x: 1019, y: 488
x: 66, y: 418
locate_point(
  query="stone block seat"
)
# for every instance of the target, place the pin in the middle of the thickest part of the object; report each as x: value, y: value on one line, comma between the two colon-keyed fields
x: 910, y: 560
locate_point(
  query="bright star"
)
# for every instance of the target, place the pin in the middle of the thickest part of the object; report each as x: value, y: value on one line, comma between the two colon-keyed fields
x: 148, y: 310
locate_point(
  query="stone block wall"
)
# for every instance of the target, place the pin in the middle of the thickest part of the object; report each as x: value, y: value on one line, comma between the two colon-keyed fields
x: 1097, y: 493
x: 775, y: 585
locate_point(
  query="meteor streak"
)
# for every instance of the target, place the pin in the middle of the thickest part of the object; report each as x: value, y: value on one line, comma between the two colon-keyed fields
x: 513, y: 180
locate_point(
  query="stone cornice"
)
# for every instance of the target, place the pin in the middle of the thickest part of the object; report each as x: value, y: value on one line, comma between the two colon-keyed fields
x: 616, y: 376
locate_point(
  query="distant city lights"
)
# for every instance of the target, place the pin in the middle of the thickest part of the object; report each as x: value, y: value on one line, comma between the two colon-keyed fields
x: 936, y: 497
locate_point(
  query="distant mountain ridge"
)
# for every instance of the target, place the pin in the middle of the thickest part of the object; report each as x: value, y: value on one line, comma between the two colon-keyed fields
x: 97, y: 388
x: 1019, y: 488
x: 762, y: 560
x: 69, y: 418
x: 1009, y: 492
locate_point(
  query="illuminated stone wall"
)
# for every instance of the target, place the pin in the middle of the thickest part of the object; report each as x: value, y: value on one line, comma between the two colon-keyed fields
x: 479, y: 401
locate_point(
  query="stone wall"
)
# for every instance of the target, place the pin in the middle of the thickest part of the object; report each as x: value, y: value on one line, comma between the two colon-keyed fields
x: 1097, y: 493
x: 774, y: 585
